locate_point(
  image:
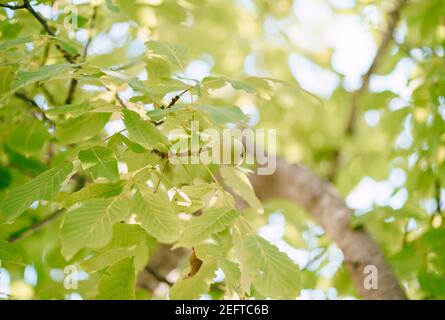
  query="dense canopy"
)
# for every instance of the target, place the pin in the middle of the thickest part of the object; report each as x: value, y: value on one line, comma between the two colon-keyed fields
x: 93, y: 93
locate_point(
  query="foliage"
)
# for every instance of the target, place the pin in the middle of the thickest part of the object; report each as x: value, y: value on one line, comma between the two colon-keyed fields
x: 86, y: 112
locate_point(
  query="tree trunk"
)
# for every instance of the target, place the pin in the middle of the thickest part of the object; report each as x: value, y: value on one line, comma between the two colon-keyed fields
x: 319, y: 198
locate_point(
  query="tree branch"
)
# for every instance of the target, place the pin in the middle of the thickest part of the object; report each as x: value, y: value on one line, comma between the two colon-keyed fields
x: 27, y: 5
x: 25, y: 232
x: 319, y: 198
x: 34, y: 106
x: 12, y: 6
x: 39, y: 18
x: 160, y: 265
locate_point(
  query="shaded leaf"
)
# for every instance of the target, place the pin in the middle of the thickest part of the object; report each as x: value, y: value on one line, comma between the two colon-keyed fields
x: 43, y: 187
x: 100, y: 162
x: 118, y: 282
x: 157, y: 216
x: 90, y: 224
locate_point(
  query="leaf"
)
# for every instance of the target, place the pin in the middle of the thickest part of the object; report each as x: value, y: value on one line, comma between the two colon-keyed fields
x: 232, y: 275
x: 112, y: 7
x: 91, y: 223
x: 275, y: 274
x: 79, y: 109
x: 45, y: 73
x: 143, y: 132
x: 94, y: 190
x: 241, y: 85
x: 157, y: 68
x: 158, y: 114
x: 199, y: 191
x: 172, y: 52
x: 238, y: 181
x: 126, y: 235
x: 211, y: 221
x: 43, y: 187
x: 219, y: 82
x: 105, y: 259
x: 223, y: 115
x: 164, y: 86
x: 100, y: 162
x: 193, y: 287
x: 81, y: 128
x: 136, y: 161
x: 118, y: 282
x: 28, y: 139
x: 26, y: 164
x: 6, y: 78
x: 15, y: 42
x: 156, y: 214
x: 9, y: 252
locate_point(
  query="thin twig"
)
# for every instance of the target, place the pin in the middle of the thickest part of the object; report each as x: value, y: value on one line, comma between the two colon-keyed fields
x: 157, y: 276
x: 49, y: 96
x: 33, y: 105
x: 27, y: 5
x: 121, y: 102
x: 25, y: 232
x: 12, y: 6
x: 74, y: 82
x: 90, y: 36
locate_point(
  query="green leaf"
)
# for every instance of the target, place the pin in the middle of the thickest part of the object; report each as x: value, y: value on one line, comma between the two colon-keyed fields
x: 91, y: 223
x: 6, y: 78
x: 211, y: 221
x: 105, y: 259
x: 136, y: 161
x: 9, y: 252
x: 45, y: 73
x: 164, y: 86
x: 275, y: 274
x: 112, y: 7
x: 100, y: 162
x: 241, y: 85
x: 157, y: 216
x: 15, y: 42
x: 81, y: 128
x: 199, y: 191
x: 238, y: 181
x: 43, y: 187
x: 157, y: 68
x: 172, y: 52
x: 192, y: 288
x: 143, y: 132
x: 79, y: 109
x: 232, y: 275
x: 118, y: 282
x: 26, y: 164
x: 126, y: 235
x: 94, y: 191
x: 219, y: 82
x: 29, y: 138
x: 158, y: 114
x: 223, y: 115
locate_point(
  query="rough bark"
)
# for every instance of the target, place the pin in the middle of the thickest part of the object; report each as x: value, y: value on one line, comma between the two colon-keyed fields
x: 319, y: 198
